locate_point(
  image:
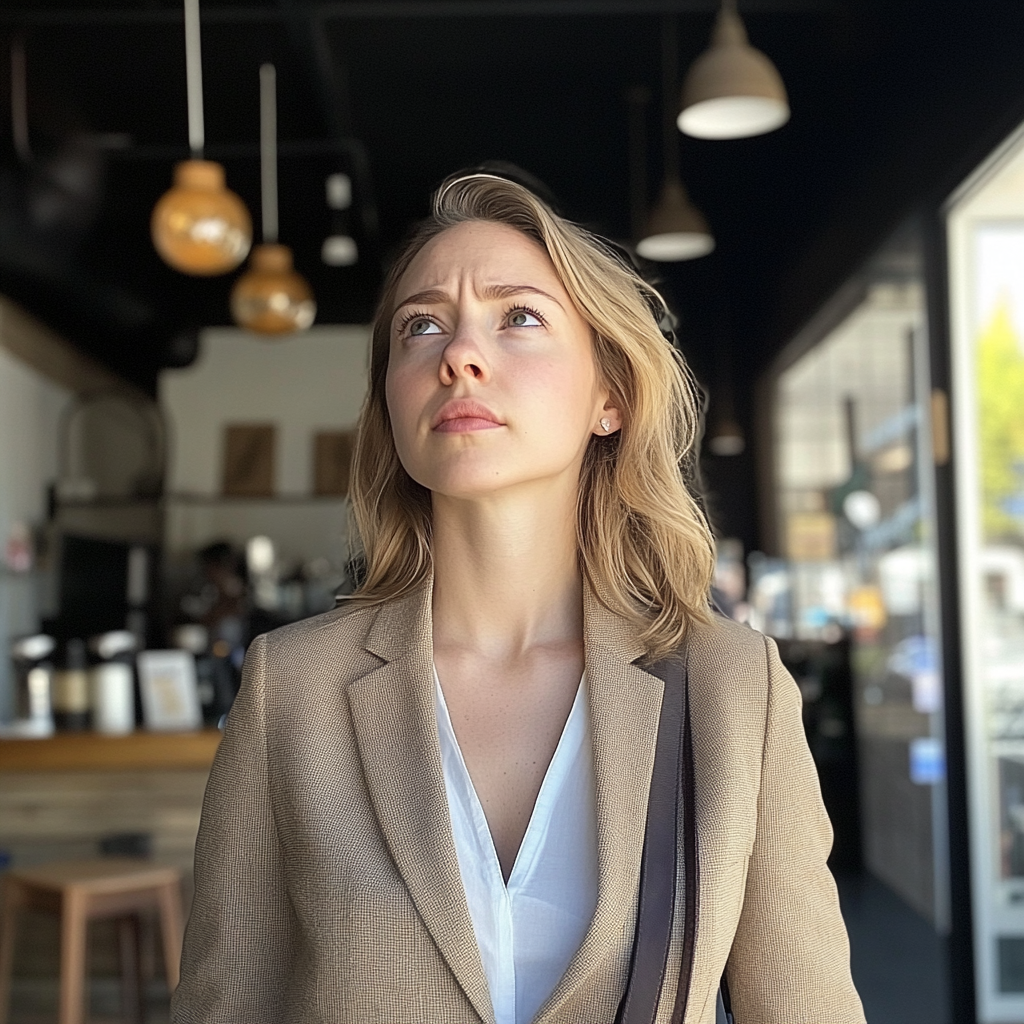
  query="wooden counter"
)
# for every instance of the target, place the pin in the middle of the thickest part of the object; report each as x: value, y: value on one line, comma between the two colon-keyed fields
x: 89, y: 751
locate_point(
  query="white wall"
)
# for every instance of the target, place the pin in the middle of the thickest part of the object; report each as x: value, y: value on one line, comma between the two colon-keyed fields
x: 30, y: 412
x: 309, y: 382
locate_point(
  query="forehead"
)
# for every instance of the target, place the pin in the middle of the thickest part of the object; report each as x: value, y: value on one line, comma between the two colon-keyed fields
x: 483, y: 251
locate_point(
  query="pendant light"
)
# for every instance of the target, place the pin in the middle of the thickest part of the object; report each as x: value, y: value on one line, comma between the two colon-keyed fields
x: 732, y: 91
x: 339, y: 248
x: 270, y: 297
x: 727, y: 438
x: 199, y: 227
x: 19, y: 101
x: 726, y: 435
x: 676, y: 230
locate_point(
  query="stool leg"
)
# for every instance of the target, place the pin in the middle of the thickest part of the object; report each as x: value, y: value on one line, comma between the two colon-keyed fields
x: 171, y: 929
x: 132, y: 1002
x: 72, y: 957
x: 8, y: 924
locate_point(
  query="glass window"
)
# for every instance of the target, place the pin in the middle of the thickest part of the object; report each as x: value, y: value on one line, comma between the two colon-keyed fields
x: 857, y: 571
x: 986, y: 243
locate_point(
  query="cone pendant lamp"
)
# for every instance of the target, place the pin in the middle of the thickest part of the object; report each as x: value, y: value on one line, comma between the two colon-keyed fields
x: 732, y: 91
x: 199, y: 227
x: 675, y: 229
x: 270, y: 297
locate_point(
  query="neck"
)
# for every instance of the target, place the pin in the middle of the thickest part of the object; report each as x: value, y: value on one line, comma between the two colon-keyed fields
x: 506, y: 574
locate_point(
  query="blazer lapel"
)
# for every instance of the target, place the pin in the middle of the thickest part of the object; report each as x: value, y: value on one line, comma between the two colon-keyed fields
x: 395, y: 723
x: 625, y: 705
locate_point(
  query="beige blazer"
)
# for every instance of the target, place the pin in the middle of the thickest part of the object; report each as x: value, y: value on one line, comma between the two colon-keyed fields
x: 327, y: 884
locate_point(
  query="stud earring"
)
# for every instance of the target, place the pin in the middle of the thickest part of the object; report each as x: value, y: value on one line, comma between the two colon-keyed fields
x: 606, y: 424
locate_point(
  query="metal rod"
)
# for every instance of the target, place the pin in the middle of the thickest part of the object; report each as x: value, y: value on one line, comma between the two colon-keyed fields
x: 194, y: 78
x: 669, y: 99
x: 223, y: 151
x: 638, y: 97
x: 268, y: 150
x: 19, y: 101
x: 359, y: 10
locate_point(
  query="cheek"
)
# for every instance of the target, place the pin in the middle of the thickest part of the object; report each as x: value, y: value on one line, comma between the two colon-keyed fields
x: 557, y: 393
x: 400, y: 392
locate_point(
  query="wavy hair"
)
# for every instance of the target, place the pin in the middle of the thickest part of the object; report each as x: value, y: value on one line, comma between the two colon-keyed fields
x: 644, y: 543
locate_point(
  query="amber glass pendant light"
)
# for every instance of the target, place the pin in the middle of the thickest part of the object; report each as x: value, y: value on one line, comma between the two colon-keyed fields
x: 199, y: 227
x: 270, y: 297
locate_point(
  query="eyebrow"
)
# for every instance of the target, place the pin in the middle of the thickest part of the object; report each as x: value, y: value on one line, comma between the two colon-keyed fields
x: 435, y: 296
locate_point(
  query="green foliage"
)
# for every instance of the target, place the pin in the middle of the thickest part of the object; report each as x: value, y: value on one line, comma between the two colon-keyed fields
x: 1001, y: 413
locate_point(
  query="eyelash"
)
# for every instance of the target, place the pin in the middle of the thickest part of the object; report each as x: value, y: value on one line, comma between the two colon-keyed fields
x: 408, y: 319
x: 417, y: 315
x: 526, y: 309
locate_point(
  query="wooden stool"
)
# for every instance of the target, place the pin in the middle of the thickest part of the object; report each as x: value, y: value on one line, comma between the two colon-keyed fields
x: 82, y: 890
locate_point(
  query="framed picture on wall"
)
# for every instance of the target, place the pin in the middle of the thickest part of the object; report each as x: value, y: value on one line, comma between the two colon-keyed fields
x: 249, y: 460
x: 332, y: 462
x: 170, y: 695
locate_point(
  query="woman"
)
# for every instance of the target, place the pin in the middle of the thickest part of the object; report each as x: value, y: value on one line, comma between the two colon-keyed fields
x: 429, y: 805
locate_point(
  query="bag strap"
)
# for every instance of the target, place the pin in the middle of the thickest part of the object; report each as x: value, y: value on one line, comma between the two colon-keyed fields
x: 672, y: 794
x: 686, y: 797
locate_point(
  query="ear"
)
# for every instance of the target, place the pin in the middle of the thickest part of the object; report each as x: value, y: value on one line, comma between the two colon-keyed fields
x: 611, y: 414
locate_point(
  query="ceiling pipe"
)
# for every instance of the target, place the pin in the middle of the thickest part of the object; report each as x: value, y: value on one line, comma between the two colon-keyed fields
x: 361, y: 10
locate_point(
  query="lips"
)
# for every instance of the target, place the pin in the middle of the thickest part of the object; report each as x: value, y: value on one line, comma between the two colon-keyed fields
x: 463, y: 414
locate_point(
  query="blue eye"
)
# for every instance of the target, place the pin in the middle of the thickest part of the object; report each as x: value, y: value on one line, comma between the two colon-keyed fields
x: 524, y: 318
x: 421, y: 325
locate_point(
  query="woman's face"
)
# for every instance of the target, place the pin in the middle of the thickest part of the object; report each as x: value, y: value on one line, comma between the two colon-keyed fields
x: 492, y: 381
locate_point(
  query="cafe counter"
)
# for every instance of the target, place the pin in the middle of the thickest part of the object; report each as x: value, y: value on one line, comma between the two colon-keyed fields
x: 87, y: 751
x: 76, y: 795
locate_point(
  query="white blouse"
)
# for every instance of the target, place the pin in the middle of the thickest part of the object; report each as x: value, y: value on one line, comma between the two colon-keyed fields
x: 528, y: 930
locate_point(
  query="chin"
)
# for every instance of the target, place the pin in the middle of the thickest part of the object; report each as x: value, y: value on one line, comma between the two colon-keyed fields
x: 466, y: 486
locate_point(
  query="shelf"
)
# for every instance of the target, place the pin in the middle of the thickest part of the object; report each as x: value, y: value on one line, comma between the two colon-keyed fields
x: 205, y: 499
x: 270, y: 499
x: 87, y: 751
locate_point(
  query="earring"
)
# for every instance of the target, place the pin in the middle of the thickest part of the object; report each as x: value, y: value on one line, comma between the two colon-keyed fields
x: 606, y: 424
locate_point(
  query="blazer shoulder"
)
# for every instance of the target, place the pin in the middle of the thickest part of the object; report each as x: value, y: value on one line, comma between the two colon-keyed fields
x: 730, y: 642
x: 339, y: 632
x: 729, y: 664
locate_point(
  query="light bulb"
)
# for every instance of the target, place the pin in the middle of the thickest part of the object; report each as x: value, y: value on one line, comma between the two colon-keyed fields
x: 339, y: 191
x: 863, y: 509
x: 200, y: 227
x: 270, y: 297
x: 339, y: 251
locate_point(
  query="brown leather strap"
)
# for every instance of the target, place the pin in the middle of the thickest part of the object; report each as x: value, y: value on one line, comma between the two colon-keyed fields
x: 670, y: 795
x: 691, y: 863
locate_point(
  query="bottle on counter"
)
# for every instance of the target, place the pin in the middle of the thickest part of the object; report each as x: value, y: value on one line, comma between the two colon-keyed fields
x: 33, y: 680
x: 112, y: 682
x: 71, y: 689
x: 195, y: 639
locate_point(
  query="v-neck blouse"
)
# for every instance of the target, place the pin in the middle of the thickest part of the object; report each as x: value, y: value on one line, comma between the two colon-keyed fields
x: 528, y: 930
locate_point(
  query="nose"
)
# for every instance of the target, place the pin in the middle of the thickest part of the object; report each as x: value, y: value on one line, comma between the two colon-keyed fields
x: 463, y: 356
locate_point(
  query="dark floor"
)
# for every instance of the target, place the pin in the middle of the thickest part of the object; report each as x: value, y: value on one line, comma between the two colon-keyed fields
x: 34, y: 1001
x: 898, y: 960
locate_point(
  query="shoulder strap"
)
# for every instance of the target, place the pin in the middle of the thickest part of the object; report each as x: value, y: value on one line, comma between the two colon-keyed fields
x: 671, y: 795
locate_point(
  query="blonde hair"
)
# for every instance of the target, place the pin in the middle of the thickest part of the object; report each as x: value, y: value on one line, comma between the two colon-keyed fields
x: 644, y: 543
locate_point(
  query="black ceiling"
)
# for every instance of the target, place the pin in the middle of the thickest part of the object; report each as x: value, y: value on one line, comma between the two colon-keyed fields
x: 889, y: 99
